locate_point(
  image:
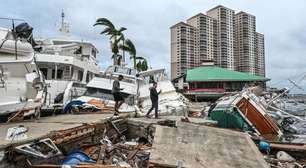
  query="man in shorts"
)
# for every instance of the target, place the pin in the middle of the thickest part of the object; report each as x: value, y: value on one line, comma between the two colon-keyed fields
x: 117, y: 94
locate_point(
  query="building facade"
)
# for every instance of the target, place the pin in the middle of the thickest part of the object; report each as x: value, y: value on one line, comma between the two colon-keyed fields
x: 183, y: 49
x: 260, y: 68
x: 245, y: 36
x: 229, y: 39
x: 206, y: 41
x: 225, y: 35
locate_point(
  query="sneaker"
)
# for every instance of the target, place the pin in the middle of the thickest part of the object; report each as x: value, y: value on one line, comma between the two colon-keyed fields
x: 147, y: 116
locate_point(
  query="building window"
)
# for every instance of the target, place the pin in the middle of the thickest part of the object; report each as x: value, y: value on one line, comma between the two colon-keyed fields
x: 59, y: 74
x: 80, y: 75
x: 44, y: 71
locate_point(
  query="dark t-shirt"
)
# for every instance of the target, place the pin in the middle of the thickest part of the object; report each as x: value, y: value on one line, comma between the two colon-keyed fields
x: 153, y: 94
x: 116, y: 86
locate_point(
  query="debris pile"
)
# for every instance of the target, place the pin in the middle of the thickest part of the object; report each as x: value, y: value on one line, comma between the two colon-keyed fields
x: 122, y: 154
x: 277, y: 132
x: 90, y: 145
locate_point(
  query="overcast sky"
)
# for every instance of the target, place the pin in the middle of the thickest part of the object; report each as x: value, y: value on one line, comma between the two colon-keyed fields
x: 282, y: 22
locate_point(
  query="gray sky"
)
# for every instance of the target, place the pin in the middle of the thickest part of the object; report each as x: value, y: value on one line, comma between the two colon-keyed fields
x: 283, y: 22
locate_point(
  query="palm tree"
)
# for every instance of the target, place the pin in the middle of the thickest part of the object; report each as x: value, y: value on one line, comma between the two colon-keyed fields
x: 131, y: 49
x: 116, y: 35
x: 128, y: 46
x: 142, y: 64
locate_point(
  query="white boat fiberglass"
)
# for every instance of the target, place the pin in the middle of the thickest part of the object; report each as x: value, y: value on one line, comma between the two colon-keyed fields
x: 21, y: 85
x: 136, y: 90
x: 67, y: 65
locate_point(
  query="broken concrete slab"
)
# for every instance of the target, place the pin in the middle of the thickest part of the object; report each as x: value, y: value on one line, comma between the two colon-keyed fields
x: 200, y: 146
x: 38, y: 129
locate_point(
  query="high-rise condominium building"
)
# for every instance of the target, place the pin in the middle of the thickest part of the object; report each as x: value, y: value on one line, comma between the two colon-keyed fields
x: 229, y: 39
x: 206, y: 41
x: 260, y: 68
x: 225, y: 35
x: 183, y: 49
x: 245, y: 36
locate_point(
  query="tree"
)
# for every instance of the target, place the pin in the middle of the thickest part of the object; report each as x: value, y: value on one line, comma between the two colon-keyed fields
x: 131, y: 49
x: 128, y: 46
x: 142, y: 64
x: 116, y: 35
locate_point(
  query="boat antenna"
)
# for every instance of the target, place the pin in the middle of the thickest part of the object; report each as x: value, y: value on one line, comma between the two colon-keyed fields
x: 64, y: 29
x: 63, y: 17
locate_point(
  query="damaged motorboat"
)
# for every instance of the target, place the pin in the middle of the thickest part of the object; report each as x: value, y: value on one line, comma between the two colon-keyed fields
x: 276, y: 131
x: 21, y: 83
x: 135, y: 91
x: 245, y: 112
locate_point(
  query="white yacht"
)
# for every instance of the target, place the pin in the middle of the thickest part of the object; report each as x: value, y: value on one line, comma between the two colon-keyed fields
x: 67, y: 65
x: 21, y: 84
x: 136, y: 90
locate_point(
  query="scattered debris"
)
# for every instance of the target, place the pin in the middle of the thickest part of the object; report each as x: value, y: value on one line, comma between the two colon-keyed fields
x: 284, y: 157
x: 244, y: 111
x: 17, y: 133
x: 118, y: 143
x: 44, y: 148
x: 76, y: 157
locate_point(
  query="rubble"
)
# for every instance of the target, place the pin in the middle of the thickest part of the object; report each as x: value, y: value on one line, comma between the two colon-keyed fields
x: 17, y: 133
x: 243, y: 111
x: 284, y: 157
x: 141, y: 142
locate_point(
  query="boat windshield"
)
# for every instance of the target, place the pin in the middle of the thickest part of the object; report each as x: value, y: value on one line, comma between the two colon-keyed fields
x: 101, y: 93
x: 121, y: 70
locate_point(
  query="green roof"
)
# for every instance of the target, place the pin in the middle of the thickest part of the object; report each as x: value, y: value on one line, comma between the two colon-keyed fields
x: 214, y: 73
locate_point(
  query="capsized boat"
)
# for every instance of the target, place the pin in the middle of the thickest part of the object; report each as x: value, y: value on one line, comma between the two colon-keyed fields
x: 244, y: 111
x: 136, y: 90
x: 21, y: 83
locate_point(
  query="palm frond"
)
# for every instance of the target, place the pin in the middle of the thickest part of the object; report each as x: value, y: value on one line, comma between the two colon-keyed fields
x: 104, y: 22
x: 140, y: 58
x: 131, y: 48
x: 123, y: 47
x: 121, y: 37
x: 122, y: 29
x: 107, y: 30
x: 144, y: 65
x: 138, y: 66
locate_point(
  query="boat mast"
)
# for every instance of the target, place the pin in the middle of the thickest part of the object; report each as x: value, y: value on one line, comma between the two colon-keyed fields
x: 64, y: 29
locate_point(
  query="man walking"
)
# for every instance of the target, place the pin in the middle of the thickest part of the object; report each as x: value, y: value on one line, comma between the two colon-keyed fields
x: 117, y: 94
x: 154, y: 99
